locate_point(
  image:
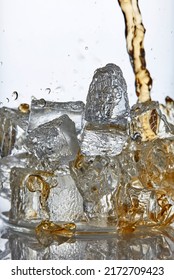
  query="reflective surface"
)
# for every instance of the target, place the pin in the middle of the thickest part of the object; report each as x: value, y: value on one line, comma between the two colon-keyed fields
x: 145, y: 245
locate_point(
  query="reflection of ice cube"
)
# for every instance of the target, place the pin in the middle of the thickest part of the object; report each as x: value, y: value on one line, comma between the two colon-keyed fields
x: 13, y: 126
x: 54, y: 141
x: 44, y: 111
x: 107, y: 100
x: 102, y: 140
x: 22, y: 246
x: 145, y: 245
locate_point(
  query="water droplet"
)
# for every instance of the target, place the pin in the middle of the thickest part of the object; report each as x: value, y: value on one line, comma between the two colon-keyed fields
x: 15, y: 95
x: 1, y: 103
x: 48, y: 90
x: 1, y: 63
x: 7, y: 99
x: 42, y: 103
x: 86, y: 48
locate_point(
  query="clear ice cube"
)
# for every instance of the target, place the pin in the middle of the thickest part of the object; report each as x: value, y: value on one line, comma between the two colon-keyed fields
x: 106, y: 113
x: 25, y: 205
x: 148, y: 122
x: 65, y: 202
x: 13, y: 127
x: 102, y: 140
x: 97, y: 179
x: 54, y: 142
x: 168, y: 109
x: 107, y: 100
x: 44, y: 111
x: 145, y: 195
x: 37, y: 194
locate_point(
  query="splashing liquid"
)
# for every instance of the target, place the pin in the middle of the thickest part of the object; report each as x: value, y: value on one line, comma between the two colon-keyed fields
x: 135, y: 32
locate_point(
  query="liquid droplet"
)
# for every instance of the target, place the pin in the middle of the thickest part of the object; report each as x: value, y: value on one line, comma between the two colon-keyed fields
x: 1, y: 103
x: 1, y: 63
x: 24, y: 108
x: 48, y: 90
x: 86, y: 48
x: 7, y: 99
x: 15, y: 95
x: 42, y: 103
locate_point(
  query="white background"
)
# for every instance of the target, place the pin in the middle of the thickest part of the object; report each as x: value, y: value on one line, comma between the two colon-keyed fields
x: 58, y: 44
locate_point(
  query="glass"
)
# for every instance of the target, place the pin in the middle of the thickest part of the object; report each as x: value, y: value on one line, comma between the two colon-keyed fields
x: 104, y: 170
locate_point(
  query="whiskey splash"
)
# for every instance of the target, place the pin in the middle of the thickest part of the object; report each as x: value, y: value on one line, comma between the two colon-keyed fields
x: 135, y: 32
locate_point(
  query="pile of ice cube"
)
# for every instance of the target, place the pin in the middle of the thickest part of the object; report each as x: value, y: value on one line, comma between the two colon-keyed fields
x: 67, y: 161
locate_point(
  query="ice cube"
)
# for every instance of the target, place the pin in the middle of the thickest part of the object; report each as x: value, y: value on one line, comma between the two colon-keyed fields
x: 13, y: 127
x: 145, y: 195
x: 148, y: 122
x: 107, y: 100
x: 6, y: 163
x: 45, y: 111
x: 65, y: 202
x: 37, y: 194
x: 97, y: 179
x: 168, y: 109
x: 102, y: 140
x: 25, y: 205
x: 54, y: 142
